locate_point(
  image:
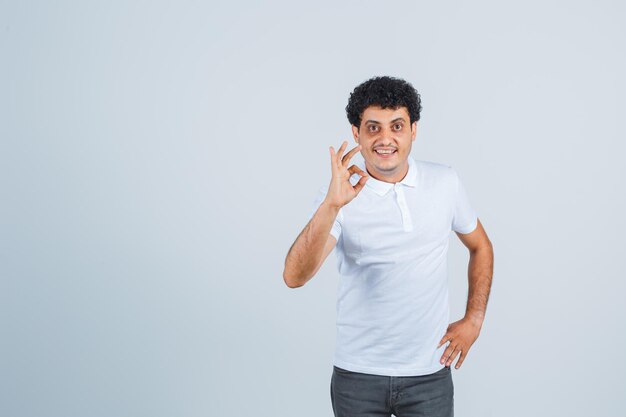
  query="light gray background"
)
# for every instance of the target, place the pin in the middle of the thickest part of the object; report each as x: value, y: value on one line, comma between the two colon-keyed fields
x: 158, y: 160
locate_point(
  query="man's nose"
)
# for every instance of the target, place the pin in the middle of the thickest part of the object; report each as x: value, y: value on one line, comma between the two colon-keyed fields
x: 387, y: 134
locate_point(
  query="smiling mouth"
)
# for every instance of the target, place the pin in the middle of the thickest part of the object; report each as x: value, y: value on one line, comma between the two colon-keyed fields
x: 385, y: 153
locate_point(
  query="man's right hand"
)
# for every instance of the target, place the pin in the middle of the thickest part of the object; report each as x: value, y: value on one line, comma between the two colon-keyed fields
x: 340, y: 190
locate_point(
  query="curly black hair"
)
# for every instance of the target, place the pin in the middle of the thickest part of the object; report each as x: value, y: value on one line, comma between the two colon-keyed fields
x: 386, y: 92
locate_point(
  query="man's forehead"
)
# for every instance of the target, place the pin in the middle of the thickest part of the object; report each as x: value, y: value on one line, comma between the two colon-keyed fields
x: 378, y: 114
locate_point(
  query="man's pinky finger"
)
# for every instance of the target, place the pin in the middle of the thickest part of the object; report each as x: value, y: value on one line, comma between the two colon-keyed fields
x: 460, y: 361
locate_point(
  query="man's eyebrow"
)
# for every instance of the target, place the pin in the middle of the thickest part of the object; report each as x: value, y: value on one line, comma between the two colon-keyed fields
x: 399, y: 119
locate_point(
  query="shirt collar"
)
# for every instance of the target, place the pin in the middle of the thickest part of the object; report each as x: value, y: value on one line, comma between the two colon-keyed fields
x: 382, y: 187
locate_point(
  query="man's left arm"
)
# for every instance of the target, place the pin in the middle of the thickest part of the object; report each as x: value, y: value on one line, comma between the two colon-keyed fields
x: 463, y: 333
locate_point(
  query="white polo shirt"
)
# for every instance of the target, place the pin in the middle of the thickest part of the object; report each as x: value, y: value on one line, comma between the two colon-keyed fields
x: 392, y: 244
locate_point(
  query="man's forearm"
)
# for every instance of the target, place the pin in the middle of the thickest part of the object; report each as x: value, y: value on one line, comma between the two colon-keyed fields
x: 480, y: 273
x: 307, y: 250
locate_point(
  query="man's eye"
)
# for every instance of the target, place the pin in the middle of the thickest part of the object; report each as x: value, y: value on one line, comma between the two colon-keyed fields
x: 372, y: 128
x: 400, y: 126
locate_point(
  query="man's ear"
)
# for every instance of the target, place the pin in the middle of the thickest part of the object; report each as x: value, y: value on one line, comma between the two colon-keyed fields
x: 355, y: 133
x: 413, y: 130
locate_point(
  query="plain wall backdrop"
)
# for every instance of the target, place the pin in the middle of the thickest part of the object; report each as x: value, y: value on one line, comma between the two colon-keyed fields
x: 158, y: 159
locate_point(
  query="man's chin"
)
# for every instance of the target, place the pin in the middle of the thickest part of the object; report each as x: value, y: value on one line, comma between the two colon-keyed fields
x: 384, y: 167
x: 389, y: 168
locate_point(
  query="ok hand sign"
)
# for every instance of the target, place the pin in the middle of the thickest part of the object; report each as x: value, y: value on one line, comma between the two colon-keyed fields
x: 340, y: 190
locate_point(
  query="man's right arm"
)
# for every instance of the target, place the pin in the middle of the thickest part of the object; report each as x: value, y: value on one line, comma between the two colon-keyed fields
x: 315, y: 242
x: 311, y: 248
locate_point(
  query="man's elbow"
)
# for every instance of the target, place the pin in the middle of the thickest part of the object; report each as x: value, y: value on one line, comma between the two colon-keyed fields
x: 292, y: 282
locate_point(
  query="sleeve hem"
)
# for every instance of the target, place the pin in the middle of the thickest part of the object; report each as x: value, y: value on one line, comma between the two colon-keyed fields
x: 470, y: 227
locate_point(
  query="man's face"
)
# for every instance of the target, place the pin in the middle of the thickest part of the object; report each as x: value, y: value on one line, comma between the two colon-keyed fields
x: 385, y: 136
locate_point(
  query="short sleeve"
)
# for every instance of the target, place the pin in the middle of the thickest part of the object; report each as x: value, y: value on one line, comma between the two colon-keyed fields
x: 465, y: 218
x: 321, y: 194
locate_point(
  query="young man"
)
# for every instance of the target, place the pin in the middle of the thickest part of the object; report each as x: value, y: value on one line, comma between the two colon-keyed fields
x: 391, y: 229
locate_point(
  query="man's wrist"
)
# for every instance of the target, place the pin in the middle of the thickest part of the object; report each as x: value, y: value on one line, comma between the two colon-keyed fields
x: 330, y: 206
x: 475, y: 317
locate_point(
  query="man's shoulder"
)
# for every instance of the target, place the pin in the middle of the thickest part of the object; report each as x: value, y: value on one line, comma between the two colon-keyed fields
x: 431, y: 168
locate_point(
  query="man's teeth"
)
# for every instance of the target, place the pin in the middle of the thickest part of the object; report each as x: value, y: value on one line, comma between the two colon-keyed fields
x: 385, y: 151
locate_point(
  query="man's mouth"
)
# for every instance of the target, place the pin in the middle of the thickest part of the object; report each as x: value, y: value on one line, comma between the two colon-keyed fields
x: 385, y: 153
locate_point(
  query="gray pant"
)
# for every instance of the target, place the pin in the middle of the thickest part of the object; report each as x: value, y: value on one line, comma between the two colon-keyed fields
x: 355, y: 394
